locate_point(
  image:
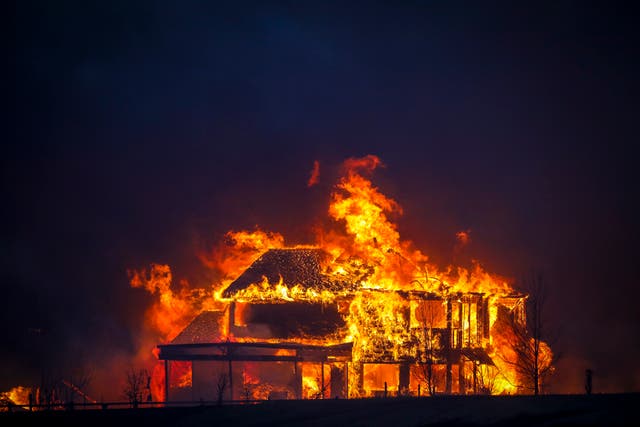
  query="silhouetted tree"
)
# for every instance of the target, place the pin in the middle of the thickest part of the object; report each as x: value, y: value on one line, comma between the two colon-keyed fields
x: 51, y: 390
x: 588, y: 381
x: 486, y: 376
x: 246, y: 386
x: 223, y: 381
x: 75, y: 385
x: 323, y: 386
x: 534, y: 359
x: 428, y: 315
x: 136, y: 381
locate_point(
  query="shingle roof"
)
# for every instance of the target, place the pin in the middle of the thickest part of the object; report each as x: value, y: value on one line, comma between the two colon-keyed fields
x: 204, y: 328
x: 296, y: 267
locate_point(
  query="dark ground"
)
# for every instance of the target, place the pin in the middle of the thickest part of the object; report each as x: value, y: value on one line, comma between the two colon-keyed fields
x: 564, y: 410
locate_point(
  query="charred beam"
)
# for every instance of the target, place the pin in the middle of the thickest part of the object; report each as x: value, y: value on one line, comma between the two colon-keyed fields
x: 237, y: 358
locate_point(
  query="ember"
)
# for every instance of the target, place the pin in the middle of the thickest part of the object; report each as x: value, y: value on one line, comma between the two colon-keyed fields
x: 361, y: 313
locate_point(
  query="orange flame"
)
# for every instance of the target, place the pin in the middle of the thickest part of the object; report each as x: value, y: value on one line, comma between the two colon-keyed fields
x: 315, y: 174
x: 17, y: 396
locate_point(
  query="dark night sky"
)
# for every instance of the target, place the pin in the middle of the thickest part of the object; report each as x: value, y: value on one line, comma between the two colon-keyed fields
x: 145, y: 130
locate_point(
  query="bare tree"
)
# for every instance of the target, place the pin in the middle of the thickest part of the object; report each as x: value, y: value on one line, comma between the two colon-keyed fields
x: 323, y: 386
x: 426, y: 374
x: 51, y: 390
x: 246, y: 386
x: 534, y: 360
x: 75, y: 384
x: 486, y: 376
x: 223, y: 381
x: 428, y: 315
x: 136, y: 383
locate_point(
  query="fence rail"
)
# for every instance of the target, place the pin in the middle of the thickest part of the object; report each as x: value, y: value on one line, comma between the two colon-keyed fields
x: 70, y: 406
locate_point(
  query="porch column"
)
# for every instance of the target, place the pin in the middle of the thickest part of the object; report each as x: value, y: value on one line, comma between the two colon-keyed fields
x: 166, y: 380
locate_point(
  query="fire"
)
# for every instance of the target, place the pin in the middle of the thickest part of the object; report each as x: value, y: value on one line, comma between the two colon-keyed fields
x: 184, y: 378
x: 16, y: 396
x: 310, y: 387
x: 173, y: 310
x: 157, y: 382
x: 395, y: 303
x: 266, y: 291
x: 315, y: 381
x: 238, y: 250
x: 315, y: 174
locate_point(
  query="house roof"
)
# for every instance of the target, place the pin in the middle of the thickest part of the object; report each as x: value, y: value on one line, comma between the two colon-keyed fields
x: 204, y: 328
x: 295, y: 266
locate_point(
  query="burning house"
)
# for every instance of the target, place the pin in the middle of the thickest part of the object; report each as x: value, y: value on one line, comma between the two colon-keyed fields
x: 360, y: 313
x: 291, y: 332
